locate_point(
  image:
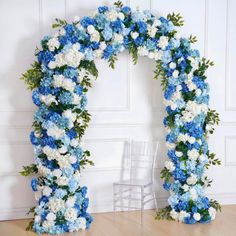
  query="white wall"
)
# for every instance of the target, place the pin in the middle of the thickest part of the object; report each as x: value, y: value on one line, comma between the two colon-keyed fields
x: 125, y: 103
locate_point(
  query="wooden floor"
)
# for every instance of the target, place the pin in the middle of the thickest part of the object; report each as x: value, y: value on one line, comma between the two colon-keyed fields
x: 128, y: 224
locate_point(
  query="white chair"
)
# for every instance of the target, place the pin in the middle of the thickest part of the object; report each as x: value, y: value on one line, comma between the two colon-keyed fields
x: 142, y: 157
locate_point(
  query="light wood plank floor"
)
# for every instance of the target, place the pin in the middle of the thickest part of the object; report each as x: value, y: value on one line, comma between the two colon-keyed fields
x: 128, y: 224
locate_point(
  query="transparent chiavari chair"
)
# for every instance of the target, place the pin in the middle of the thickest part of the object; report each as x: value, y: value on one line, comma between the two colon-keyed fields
x: 139, y: 187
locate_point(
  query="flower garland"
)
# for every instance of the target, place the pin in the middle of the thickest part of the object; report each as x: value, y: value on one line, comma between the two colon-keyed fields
x: 60, y: 79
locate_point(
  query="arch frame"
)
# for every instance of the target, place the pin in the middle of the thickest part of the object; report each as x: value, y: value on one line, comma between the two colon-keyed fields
x: 59, y: 80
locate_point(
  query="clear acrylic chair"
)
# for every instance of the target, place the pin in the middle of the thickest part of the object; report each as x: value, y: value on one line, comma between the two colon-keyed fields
x: 142, y: 156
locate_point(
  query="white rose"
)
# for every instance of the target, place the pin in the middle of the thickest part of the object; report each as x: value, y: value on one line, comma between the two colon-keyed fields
x: 70, y: 214
x: 47, y: 191
x: 185, y: 187
x: 48, y: 224
x: 175, y: 74
x: 57, y: 173
x: 197, y: 216
x: 112, y: 15
x: 134, y: 35
x: 56, y: 204
x: 174, y: 214
x: 193, y: 154
x: 90, y: 29
x: 182, y: 215
x: 73, y: 159
x: 53, y: 44
x: 172, y: 65
x: 178, y: 154
x: 170, y: 166
x: 121, y: 16
x: 102, y: 45
x: 56, y: 132
x: 212, y: 212
x: 70, y: 202
x: 51, y: 216
x: 82, y: 223
x: 163, y: 42
x: 192, y: 179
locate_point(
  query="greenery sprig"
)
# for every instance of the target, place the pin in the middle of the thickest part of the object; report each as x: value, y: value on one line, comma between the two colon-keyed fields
x: 176, y: 19
x: 164, y: 214
x: 59, y: 23
x: 28, y: 170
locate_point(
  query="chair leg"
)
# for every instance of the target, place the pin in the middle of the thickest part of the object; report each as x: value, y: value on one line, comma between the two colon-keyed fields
x: 155, y: 199
x: 114, y: 198
x: 142, y: 204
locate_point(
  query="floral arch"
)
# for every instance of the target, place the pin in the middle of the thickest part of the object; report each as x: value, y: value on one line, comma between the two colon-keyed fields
x: 60, y: 79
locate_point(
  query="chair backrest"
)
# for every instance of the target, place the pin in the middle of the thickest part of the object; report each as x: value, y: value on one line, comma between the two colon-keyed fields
x: 142, y: 160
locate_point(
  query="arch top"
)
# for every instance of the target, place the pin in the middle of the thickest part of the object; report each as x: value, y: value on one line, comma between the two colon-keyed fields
x: 60, y: 79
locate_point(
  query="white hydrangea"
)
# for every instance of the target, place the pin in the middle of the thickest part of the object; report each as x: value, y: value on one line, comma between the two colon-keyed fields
x: 174, y: 214
x: 64, y: 162
x: 182, y: 215
x: 70, y: 202
x: 151, y: 31
x: 112, y: 15
x: 53, y: 44
x: 163, y: 42
x: 73, y: 159
x: 76, y: 99
x: 57, y: 173
x: 82, y: 223
x: 56, y: 132
x: 51, y: 153
x: 48, y: 224
x: 61, y: 81
x: 212, y: 212
x: 193, y: 194
x: 56, y: 204
x: 48, y: 99
x: 42, y: 170
x: 47, y: 191
x: 192, y: 179
x: 70, y: 214
x: 95, y: 36
x: 62, y: 180
x: 193, y: 154
x: 170, y: 166
x: 118, y: 38
x: 51, y: 216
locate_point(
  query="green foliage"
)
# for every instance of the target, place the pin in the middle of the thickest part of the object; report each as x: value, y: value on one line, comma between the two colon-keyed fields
x: 28, y: 170
x: 203, y: 66
x: 59, y: 23
x: 90, y: 67
x: 37, y: 126
x: 212, y: 118
x: 215, y: 205
x: 31, y: 210
x: 84, y: 159
x: 176, y: 19
x: 212, y: 160
x: 165, y: 174
x: 33, y: 76
x: 118, y: 4
x: 192, y: 39
x: 164, y: 214
x: 189, y: 96
x: 207, y: 182
x: 112, y: 61
x: 134, y: 53
x: 30, y: 226
x: 159, y: 73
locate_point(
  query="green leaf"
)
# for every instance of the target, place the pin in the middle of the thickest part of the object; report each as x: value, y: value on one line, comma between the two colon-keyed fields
x: 59, y: 23
x: 164, y: 214
x: 31, y: 210
x: 118, y: 4
x: 112, y: 61
x: 90, y: 67
x: 192, y: 39
x: 176, y: 19
x: 215, y: 205
x: 165, y: 174
x: 28, y: 170
x: 33, y: 76
x: 134, y: 53
x: 212, y: 160
x: 30, y: 226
